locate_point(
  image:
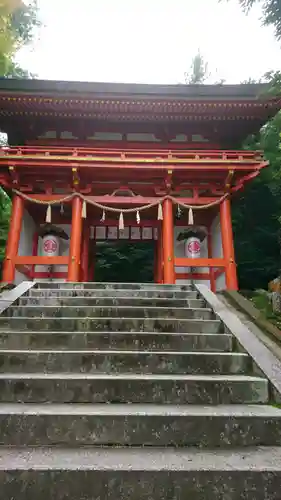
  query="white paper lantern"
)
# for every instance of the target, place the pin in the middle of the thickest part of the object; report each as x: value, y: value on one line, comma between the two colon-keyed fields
x: 50, y: 245
x: 193, y: 248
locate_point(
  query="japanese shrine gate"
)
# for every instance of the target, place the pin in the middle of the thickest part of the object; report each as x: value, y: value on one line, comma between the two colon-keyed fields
x: 118, y: 161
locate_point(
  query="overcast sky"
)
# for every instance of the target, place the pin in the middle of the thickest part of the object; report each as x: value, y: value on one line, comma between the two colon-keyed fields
x: 149, y: 41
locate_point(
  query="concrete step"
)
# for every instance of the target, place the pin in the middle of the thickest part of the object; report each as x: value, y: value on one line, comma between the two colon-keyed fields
x: 112, y: 324
x: 93, y: 292
x: 150, y: 341
x: 111, y: 302
x: 143, y: 473
x: 109, y: 312
x: 109, y: 361
x: 112, y: 286
x: 130, y: 388
x: 139, y: 425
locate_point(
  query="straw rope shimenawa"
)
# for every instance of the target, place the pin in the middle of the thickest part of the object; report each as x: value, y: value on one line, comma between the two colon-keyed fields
x: 120, y: 211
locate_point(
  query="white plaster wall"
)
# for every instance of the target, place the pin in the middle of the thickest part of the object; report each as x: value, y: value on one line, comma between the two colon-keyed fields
x: 217, y: 250
x: 179, y: 252
x: 26, y: 242
x: 63, y: 251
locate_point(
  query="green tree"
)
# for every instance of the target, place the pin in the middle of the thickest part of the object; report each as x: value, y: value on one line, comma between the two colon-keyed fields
x: 257, y: 225
x: 124, y: 261
x: 198, y: 72
x: 18, y: 21
x: 271, y: 13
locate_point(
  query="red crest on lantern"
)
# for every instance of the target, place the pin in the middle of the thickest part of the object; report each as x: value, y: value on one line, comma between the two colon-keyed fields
x: 193, y: 247
x: 50, y: 246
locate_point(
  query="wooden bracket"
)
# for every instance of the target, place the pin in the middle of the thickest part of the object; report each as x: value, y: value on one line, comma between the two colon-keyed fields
x: 168, y: 179
x: 228, y: 180
x: 75, y: 178
x: 14, y: 175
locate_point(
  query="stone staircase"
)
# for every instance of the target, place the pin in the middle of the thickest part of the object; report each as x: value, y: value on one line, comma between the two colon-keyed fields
x: 130, y: 391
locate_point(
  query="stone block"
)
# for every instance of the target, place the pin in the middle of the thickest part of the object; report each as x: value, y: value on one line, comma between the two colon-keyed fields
x: 158, y: 389
x: 26, y: 361
x: 140, y: 425
x: 112, y: 324
x: 116, y: 340
x: 109, y: 312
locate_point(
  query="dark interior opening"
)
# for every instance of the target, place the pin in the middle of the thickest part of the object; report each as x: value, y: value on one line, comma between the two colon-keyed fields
x: 124, y: 262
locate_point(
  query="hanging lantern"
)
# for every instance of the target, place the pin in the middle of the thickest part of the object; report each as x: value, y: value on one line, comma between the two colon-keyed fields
x: 192, y: 238
x: 192, y: 248
x: 51, y: 241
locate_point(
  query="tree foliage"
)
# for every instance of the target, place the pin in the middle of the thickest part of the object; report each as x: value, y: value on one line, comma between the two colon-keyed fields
x: 18, y: 21
x: 124, y: 261
x: 198, y: 72
x: 257, y: 211
x: 271, y: 13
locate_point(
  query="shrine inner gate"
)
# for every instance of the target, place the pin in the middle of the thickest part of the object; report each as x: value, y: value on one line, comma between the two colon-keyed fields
x: 92, y: 162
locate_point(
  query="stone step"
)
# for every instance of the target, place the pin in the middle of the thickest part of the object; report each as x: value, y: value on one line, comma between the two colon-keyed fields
x: 144, y: 473
x: 129, y: 388
x: 111, y: 302
x: 112, y: 286
x: 19, y: 361
x: 116, y: 340
x: 112, y: 324
x: 109, y: 312
x: 139, y: 425
x: 93, y: 292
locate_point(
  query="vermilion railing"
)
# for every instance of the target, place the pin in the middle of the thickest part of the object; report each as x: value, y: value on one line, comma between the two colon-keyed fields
x: 35, y: 154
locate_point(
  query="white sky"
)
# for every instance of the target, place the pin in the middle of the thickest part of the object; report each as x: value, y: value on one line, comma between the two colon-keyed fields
x: 149, y: 41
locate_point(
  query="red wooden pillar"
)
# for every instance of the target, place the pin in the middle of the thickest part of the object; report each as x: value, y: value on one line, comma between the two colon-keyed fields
x: 159, y: 272
x: 12, y: 246
x: 75, y: 240
x: 211, y: 270
x: 168, y: 242
x: 227, y: 245
x: 84, y: 275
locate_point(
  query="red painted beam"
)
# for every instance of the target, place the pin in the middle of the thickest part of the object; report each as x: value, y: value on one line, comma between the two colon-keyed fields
x: 141, y: 151
x: 124, y: 200
x: 154, y: 166
x: 40, y: 260
x: 186, y: 262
